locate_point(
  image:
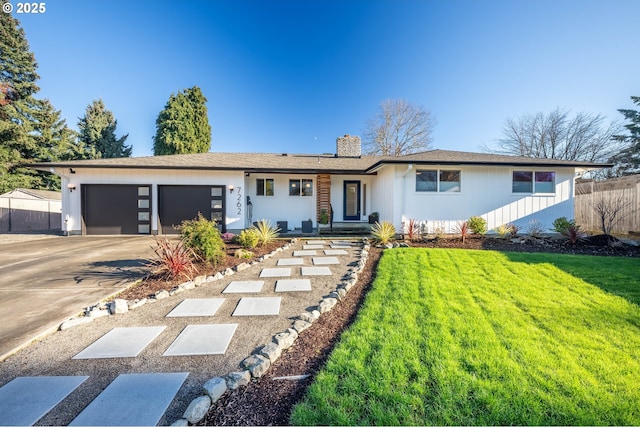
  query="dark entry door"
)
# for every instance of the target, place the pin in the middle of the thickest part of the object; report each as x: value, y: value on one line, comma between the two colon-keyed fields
x: 177, y: 203
x: 116, y: 209
x: 351, y: 201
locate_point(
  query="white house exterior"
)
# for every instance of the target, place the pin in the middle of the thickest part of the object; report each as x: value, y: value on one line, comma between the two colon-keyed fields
x: 150, y: 195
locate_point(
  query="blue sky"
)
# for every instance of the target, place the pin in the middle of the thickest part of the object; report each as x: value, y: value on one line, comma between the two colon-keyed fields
x: 291, y: 76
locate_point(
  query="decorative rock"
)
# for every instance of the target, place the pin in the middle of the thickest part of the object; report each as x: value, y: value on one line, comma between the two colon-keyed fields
x: 210, y: 279
x: 136, y: 303
x: 341, y: 293
x: 388, y: 246
x: 199, y: 280
x: 284, y: 339
x: 187, y: 285
x: 307, y: 317
x: 327, y: 304
x: 218, y: 276
x: 197, y: 409
x: 271, y: 351
x: 242, y: 266
x: 315, y: 314
x: 256, y: 364
x: 162, y: 294
x: 237, y: 379
x: 118, y: 306
x: 215, y: 388
x: 300, y: 325
x: 229, y: 272
x: 267, y: 256
x: 75, y: 322
x: 335, y: 295
x: 95, y: 313
x: 175, y: 290
x: 180, y: 423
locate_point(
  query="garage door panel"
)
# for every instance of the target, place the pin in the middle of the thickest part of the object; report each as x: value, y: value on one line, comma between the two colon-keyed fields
x: 177, y: 203
x: 116, y: 209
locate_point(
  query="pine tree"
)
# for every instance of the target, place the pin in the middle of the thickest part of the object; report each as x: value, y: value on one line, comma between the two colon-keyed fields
x: 183, y: 126
x: 628, y: 160
x: 98, y: 132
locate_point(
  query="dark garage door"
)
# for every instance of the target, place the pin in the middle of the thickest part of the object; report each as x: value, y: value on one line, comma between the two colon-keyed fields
x: 177, y: 203
x: 116, y: 209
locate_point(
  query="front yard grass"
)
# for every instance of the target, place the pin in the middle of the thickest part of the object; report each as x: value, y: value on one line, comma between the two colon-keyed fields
x: 456, y: 337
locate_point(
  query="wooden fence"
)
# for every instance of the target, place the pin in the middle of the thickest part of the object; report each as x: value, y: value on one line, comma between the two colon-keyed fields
x: 622, y: 194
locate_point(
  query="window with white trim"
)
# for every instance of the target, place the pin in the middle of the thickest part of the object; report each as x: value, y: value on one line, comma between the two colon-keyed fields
x: 301, y: 187
x: 264, y: 187
x: 533, y: 182
x: 438, y: 180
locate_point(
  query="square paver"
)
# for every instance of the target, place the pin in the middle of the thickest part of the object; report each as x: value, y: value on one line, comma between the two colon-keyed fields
x: 315, y: 242
x: 192, y: 307
x: 339, y: 246
x: 335, y: 252
x: 121, y: 342
x: 202, y: 339
x: 266, y: 306
x: 293, y: 285
x: 132, y: 400
x: 290, y: 261
x: 244, y: 287
x: 316, y: 271
x: 24, y: 400
x: 341, y: 242
x: 325, y: 260
x: 275, y: 272
x: 312, y: 247
x: 304, y: 253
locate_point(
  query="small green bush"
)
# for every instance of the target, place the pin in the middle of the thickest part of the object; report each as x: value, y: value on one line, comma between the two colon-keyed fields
x: 562, y: 224
x: 267, y: 233
x: 503, y: 230
x: 477, y: 225
x: 203, y: 237
x: 243, y: 253
x: 248, y: 238
x: 383, y: 232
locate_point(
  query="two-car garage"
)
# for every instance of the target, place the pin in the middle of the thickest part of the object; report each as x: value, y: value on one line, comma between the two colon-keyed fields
x: 129, y: 209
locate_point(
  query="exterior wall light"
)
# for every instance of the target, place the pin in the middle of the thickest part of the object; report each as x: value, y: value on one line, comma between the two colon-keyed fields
x: 71, y: 186
x: 230, y: 187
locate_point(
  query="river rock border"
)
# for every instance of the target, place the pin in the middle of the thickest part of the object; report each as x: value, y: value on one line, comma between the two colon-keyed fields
x: 256, y: 365
x: 121, y: 306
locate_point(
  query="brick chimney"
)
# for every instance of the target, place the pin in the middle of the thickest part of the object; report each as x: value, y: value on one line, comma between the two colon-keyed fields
x: 348, y: 146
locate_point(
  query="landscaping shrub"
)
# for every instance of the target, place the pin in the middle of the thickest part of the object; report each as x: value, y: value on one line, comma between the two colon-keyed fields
x: 172, y: 261
x: 560, y: 225
x: 411, y: 230
x: 574, y: 234
x: 535, y: 228
x: 477, y: 225
x: 203, y: 237
x: 463, y: 230
x: 383, y: 232
x: 504, y: 231
x: 248, y: 238
x: 267, y: 233
x: 243, y: 253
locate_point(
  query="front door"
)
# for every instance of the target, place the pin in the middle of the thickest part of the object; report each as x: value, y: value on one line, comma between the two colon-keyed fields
x: 351, y: 201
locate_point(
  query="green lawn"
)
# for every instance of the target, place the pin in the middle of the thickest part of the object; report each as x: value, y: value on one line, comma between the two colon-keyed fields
x: 486, y: 338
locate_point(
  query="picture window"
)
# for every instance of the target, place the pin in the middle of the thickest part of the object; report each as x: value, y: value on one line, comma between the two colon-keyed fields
x: 264, y: 187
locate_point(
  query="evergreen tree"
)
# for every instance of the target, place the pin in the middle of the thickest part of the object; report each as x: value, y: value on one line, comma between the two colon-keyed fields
x: 98, y: 133
x: 628, y: 160
x: 183, y: 126
x: 30, y: 130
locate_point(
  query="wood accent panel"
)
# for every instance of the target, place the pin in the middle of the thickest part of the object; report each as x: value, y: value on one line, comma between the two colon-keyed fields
x: 323, y: 194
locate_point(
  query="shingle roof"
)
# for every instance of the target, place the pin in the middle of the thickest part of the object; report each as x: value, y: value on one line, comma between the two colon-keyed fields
x: 307, y: 163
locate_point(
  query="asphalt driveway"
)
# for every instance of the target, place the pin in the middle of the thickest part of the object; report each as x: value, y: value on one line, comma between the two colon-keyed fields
x: 45, y: 281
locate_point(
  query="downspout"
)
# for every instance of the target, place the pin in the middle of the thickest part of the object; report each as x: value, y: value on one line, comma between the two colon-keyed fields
x: 403, y: 194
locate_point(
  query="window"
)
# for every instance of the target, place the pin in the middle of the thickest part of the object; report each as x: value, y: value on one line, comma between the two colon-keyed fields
x: 264, y: 187
x: 301, y: 187
x: 444, y: 181
x: 533, y: 182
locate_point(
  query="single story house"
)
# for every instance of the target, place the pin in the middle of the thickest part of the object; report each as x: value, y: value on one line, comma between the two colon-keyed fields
x: 151, y: 195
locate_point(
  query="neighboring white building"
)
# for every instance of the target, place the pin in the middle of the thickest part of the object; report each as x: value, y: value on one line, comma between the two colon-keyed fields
x: 26, y: 210
x: 150, y: 195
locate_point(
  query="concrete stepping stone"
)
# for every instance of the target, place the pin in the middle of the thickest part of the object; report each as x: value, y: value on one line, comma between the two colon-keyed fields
x: 304, y: 253
x: 315, y: 242
x: 275, y: 272
x: 325, y: 260
x: 341, y: 242
x: 316, y: 271
x: 339, y: 246
x: 312, y: 247
x: 24, y: 400
x: 293, y: 285
x: 263, y: 306
x: 132, y: 400
x: 335, y: 252
x: 202, y: 339
x: 121, y: 342
x: 244, y: 287
x: 192, y: 307
x: 290, y: 261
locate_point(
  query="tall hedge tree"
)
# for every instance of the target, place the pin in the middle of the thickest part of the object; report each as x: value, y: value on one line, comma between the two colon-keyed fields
x: 97, y: 132
x: 628, y: 160
x: 183, y: 126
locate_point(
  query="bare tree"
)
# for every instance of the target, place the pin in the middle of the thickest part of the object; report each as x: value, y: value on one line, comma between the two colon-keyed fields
x: 398, y: 128
x: 611, y: 209
x: 583, y: 137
